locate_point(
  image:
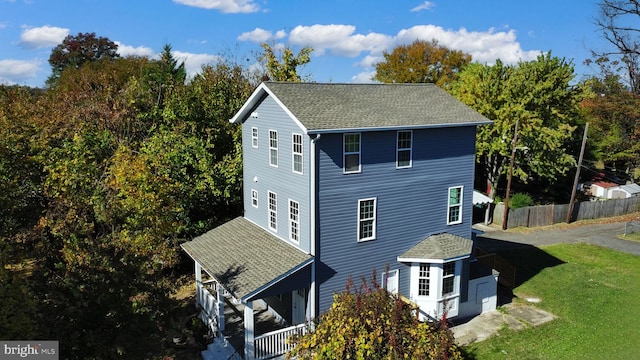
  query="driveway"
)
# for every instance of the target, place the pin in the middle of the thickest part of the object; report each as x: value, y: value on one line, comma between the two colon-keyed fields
x: 603, y: 234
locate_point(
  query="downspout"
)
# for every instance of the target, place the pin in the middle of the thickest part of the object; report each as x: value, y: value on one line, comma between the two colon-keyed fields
x: 314, y: 226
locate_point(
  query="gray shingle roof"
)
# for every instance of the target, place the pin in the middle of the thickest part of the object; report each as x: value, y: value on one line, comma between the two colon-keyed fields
x: 244, y: 257
x: 360, y: 106
x: 439, y: 247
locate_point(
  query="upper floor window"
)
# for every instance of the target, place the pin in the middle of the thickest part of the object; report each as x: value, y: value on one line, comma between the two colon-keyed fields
x: 254, y: 198
x: 254, y: 137
x: 273, y: 148
x: 351, y: 153
x: 273, y: 211
x: 448, y: 277
x: 366, y: 219
x: 294, y: 221
x: 403, y: 146
x: 454, y: 208
x: 297, y: 153
x: 423, y: 280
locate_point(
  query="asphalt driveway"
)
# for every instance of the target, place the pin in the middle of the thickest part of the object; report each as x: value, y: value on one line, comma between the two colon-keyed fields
x: 604, y: 234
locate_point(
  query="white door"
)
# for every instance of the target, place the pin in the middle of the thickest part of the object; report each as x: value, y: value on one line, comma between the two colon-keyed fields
x: 298, y: 303
x: 391, y: 279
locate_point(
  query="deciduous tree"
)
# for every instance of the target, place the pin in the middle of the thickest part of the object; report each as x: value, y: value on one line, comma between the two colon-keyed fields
x: 285, y: 69
x: 421, y: 62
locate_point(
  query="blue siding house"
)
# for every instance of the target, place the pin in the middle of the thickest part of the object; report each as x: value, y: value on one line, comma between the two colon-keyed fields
x: 341, y: 180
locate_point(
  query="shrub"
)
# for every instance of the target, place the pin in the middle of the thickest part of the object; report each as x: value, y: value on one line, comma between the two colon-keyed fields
x: 520, y: 200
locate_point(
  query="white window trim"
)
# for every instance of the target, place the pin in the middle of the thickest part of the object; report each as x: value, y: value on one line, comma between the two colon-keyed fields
x: 453, y: 276
x: 375, y: 219
x: 254, y: 198
x: 428, y: 277
x: 345, y: 153
x: 271, y: 131
x: 449, y: 206
x: 273, y: 211
x: 294, y: 153
x: 410, y: 149
x: 254, y: 137
x: 296, y: 222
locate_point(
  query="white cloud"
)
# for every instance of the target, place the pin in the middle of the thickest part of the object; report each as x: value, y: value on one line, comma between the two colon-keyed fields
x: 3, y: 25
x: 225, y: 6
x: 427, y: 5
x: 44, y: 36
x: 339, y: 40
x: 126, y: 50
x: 193, y: 62
x: 363, y: 77
x: 259, y: 35
x: 18, y: 71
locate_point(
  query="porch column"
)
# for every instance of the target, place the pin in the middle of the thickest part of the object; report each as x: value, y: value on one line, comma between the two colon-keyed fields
x: 311, y: 314
x: 249, y: 350
x: 486, y: 214
x: 220, y: 301
x: 198, y: 271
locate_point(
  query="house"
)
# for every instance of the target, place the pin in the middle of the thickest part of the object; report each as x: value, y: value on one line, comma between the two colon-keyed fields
x: 341, y: 180
x: 610, y: 190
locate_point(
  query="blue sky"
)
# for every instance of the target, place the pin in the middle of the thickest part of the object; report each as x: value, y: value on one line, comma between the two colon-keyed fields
x: 348, y: 36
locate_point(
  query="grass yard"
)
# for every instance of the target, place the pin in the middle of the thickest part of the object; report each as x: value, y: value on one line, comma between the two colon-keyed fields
x: 595, y: 292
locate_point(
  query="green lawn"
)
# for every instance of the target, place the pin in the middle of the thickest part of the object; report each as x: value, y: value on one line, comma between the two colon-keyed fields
x: 595, y: 292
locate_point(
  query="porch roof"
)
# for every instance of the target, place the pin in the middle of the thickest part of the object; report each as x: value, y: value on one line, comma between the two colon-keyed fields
x: 245, y: 258
x: 438, y: 247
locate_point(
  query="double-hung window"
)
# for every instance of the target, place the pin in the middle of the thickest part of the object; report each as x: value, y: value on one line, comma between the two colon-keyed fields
x: 254, y: 198
x: 454, y: 209
x: 294, y: 221
x: 366, y: 219
x: 423, y: 280
x: 254, y: 137
x: 297, y: 153
x: 273, y: 211
x: 351, y: 150
x: 448, y: 277
x: 403, y: 149
x: 273, y: 148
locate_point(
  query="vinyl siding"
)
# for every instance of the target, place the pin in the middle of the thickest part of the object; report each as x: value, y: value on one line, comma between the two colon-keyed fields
x: 411, y: 202
x: 259, y: 175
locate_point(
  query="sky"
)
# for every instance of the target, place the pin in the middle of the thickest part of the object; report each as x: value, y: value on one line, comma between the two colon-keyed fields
x: 348, y: 36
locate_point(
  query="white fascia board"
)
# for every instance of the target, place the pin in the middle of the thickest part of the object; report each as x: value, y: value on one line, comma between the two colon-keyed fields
x: 432, y: 261
x: 399, y: 127
x: 249, y: 296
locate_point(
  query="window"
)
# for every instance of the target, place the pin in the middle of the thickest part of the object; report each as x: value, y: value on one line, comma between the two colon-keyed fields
x: 403, y: 153
x: 366, y: 219
x: 423, y: 280
x: 297, y: 153
x: 254, y: 137
x: 455, y: 205
x: 448, y: 276
x: 294, y: 221
x: 273, y: 148
x: 254, y: 198
x: 273, y: 211
x: 351, y: 153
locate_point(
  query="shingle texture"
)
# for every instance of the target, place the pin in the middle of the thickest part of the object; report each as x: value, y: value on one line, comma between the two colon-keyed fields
x: 360, y: 106
x: 440, y: 247
x: 243, y: 256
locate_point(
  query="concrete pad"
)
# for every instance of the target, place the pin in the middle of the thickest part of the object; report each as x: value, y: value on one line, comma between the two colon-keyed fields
x: 532, y: 315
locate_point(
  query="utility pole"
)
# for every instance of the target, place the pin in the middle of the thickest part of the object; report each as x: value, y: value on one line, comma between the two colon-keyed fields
x: 513, y: 156
x: 575, y: 181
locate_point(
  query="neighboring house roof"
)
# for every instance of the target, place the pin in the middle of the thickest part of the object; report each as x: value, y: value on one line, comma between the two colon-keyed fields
x: 480, y: 198
x: 438, y: 247
x: 333, y: 107
x: 245, y: 258
x: 604, y: 184
x: 632, y: 189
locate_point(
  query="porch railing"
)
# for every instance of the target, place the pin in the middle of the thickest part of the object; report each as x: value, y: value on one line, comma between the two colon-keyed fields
x: 275, y: 343
x: 209, y: 305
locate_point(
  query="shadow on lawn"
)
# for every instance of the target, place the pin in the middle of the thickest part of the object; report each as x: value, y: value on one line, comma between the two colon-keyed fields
x: 527, y: 259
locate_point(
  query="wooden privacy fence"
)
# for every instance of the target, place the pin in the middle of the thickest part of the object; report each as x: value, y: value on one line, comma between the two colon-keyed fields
x: 541, y: 215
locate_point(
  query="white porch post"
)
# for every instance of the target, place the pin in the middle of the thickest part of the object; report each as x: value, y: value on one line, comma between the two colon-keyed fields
x: 249, y: 335
x: 220, y: 300
x: 198, y: 271
x: 312, y: 295
x: 486, y: 214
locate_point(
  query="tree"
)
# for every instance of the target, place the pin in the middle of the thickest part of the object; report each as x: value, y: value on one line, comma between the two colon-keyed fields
x: 618, y: 22
x: 613, y: 112
x: 76, y: 50
x: 421, y: 62
x: 536, y: 93
x: 374, y: 324
x: 287, y: 68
